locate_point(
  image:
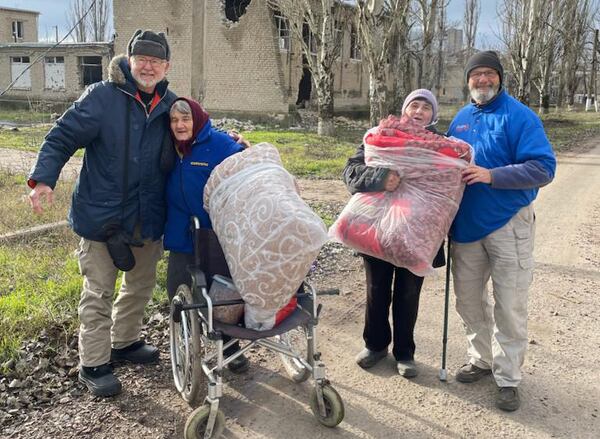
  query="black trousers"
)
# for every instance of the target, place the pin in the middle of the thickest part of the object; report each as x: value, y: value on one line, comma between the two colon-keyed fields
x: 388, y: 284
x: 212, y: 262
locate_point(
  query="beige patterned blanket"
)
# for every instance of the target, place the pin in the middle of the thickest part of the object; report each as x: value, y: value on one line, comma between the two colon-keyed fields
x: 269, y: 235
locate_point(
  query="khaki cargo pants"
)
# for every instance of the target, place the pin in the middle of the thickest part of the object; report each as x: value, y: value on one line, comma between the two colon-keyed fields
x: 103, y: 322
x: 496, y: 332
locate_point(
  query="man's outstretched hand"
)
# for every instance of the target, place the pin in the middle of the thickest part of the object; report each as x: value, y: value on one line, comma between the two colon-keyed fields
x: 39, y: 192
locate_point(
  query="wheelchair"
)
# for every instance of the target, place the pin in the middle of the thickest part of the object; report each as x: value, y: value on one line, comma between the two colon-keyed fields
x: 198, y: 357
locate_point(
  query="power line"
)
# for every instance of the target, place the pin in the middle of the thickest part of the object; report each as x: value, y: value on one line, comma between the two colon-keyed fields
x: 40, y: 57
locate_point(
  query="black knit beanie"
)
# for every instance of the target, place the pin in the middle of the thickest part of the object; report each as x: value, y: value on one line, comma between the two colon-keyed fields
x: 149, y: 43
x: 488, y: 58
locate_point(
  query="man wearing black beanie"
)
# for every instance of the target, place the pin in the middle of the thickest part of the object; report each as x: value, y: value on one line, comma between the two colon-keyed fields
x: 121, y: 123
x: 493, y: 232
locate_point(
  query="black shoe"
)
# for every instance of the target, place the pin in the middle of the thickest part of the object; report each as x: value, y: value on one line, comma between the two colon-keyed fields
x: 100, y: 380
x: 239, y: 365
x: 470, y: 373
x: 138, y: 352
x: 508, y: 399
x: 368, y: 358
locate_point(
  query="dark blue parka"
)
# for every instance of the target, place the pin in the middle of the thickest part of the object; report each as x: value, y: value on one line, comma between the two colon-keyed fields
x: 97, y: 121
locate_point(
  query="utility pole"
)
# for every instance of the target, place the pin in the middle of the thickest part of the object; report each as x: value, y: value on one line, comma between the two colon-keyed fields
x: 592, y: 87
x: 56, y: 29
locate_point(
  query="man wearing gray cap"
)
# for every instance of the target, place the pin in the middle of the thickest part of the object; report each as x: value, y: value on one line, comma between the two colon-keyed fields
x: 118, y: 205
x: 493, y: 232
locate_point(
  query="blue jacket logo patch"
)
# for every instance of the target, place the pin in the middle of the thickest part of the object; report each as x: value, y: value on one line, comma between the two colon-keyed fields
x: 462, y: 128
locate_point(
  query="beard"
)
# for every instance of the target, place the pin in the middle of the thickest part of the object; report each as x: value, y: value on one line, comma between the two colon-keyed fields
x: 145, y: 82
x: 484, y: 95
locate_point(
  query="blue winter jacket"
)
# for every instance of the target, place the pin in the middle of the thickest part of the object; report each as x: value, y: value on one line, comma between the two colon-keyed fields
x: 509, y: 139
x: 97, y: 122
x: 185, y: 186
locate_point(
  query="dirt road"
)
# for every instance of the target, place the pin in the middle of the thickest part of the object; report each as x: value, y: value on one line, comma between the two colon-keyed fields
x: 560, y: 389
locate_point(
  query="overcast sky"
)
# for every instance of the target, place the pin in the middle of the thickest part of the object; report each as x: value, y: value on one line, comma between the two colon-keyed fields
x: 54, y: 13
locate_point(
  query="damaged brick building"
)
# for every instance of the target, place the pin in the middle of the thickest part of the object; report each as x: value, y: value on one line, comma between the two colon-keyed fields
x: 238, y: 56
x: 59, y: 76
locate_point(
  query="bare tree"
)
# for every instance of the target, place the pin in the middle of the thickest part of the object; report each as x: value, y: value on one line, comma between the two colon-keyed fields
x: 522, y: 22
x: 378, y: 21
x: 313, y: 24
x: 549, y: 51
x: 470, y: 24
x: 76, y: 12
x: 425, y: 14
x: 576, y: 25
x: 91, y: 19
x: 99, y: 20
x: 592, y: 94
x: 441, y: 34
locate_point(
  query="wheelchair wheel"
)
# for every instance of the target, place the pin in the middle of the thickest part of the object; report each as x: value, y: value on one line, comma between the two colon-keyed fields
x: 297, y: 340
x: 195, y: 425
x: 186, y: 350
x: 334, y: 407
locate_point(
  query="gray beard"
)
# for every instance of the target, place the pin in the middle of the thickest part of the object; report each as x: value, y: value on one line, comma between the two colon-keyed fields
x: 151, y: 83
x: 483, y: 97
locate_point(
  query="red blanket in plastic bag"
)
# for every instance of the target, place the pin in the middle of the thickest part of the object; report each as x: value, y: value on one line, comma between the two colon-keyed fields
x: 406, y: 227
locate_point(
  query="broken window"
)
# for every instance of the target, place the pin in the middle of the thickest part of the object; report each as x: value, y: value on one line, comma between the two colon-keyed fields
x: 18, y: 65
x: 90, y: 69
x: 17, y: 30
x: 354, y: 45
x: 309, y: 39
x: 234, y: 9
x: 283, y: 30
x: 54, y: 72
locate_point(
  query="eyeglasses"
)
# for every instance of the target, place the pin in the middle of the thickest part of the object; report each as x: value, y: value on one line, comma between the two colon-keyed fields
x: 488, y: 74
x: 154, y: 62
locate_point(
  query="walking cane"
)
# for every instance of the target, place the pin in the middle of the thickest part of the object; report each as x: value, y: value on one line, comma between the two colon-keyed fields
x: 443, y: 370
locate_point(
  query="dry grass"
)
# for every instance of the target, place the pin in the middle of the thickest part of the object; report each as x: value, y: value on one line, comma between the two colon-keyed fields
x: 15, y: 211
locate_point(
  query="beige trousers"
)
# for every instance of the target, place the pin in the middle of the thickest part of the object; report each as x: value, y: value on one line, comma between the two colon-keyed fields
x: 496, y: 331
x: 101, y: 321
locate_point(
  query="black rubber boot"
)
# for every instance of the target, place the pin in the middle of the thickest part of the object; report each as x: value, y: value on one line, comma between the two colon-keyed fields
x: 138, y: 353
x: 100, y: 380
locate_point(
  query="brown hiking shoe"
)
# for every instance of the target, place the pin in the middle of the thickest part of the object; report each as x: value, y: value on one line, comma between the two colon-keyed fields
x: 470, y: 373
x: 508, y: 399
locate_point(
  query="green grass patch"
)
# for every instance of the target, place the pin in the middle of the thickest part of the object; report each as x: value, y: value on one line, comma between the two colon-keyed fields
x: 40, y: 282
x: 567, y: 130
x: 39, y: 289
x: 25, y: 116
x: 305, y: 154
x: 24, y: 138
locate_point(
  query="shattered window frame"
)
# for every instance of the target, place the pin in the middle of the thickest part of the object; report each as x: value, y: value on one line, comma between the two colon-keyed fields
x: 90, y: 69
x: 309, y: 39
x: 355, y: 54
x: 17, y: 30
x: 283, y: 31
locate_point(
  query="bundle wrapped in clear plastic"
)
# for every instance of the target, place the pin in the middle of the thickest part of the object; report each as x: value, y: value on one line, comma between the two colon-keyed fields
x: 406, y: 227
x: 269, y: 235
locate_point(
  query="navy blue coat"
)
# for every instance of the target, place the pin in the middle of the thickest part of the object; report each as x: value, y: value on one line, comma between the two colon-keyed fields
x: 97, y: 122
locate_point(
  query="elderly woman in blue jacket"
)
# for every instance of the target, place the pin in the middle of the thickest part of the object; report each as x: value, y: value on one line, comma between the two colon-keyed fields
x: 200, y: 148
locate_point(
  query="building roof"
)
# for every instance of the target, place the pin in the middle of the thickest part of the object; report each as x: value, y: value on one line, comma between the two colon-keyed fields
x: 37, y: 45
x: 2, y: 8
